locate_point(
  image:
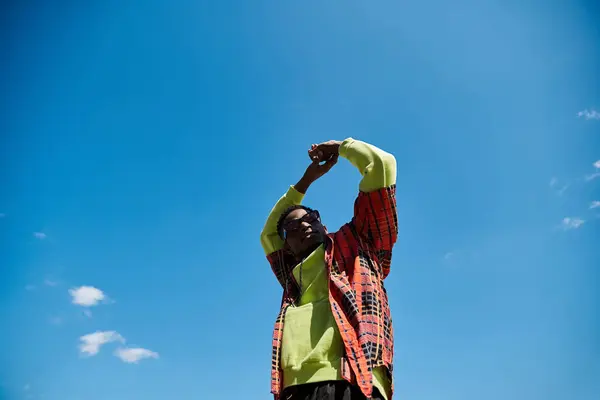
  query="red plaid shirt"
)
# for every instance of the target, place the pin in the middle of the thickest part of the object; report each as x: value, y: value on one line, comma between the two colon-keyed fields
x: 358, y: 259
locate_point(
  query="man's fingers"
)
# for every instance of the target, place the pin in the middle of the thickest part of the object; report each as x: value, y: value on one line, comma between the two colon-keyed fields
x: 321, y: 152
x: 316, y: 155
x: 329, y: 163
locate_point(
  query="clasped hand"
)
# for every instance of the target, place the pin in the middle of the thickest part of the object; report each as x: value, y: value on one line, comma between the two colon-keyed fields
x: 323, y: 157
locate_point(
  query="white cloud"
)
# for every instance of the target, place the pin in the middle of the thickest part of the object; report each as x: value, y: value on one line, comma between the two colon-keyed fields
x: 553, y: 181
x: 40, y: 235
x: 49, y: 282
x: 597, y: 164
x: 589, y: 114
x: 91, y: 343
x: 86, y: 296
x: 594, y: 204
x: 134, y: 355
x: 572, y: 223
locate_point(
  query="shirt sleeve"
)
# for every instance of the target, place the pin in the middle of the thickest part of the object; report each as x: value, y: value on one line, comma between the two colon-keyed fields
x: 377, y: 167
x: 375, y: 215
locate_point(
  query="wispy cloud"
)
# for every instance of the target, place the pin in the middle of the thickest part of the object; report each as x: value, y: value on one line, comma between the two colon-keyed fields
x: 49, y: 282
x: 569, y: 223
x: 86, y: 296
x: 30, y: 287
x: 134, y: 355
x: 562, y: 190
x: 55, y: 320
x: 28, y: 392
x: 460, y: 256
x: 39, y: 235
x: 595, y: 174
x: 589, y: 114
x: 91, y: 343
x: 554, y: 185
x: 594, y: 204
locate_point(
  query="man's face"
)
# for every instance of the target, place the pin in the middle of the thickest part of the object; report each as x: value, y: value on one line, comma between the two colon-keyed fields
x: 303, y: 231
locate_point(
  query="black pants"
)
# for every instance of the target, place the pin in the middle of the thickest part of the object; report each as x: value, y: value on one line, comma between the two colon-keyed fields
x: 333, y: 390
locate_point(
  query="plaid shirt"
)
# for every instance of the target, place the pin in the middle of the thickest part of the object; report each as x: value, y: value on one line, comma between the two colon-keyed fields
x: 358, y: 257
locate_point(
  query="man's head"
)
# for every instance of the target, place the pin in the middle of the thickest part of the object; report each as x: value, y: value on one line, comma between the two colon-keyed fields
x: 301, y: 229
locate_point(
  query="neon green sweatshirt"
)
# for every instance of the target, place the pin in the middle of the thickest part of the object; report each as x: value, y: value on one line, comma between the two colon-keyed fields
x: 312, y: 347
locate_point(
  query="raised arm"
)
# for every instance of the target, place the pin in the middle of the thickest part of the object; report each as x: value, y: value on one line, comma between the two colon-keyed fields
x: 269, y: 238
x: 377, y: 167
x: 375, y: 218
x: 375, y: 215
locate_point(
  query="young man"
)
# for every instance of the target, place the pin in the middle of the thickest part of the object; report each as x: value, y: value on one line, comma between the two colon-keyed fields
x: 333, y: 338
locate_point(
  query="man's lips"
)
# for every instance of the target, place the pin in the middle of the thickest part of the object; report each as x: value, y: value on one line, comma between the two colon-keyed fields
x: 308, y: 235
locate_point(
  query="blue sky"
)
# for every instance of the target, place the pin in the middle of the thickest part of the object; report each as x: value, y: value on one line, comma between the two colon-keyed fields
x: 144, y: 144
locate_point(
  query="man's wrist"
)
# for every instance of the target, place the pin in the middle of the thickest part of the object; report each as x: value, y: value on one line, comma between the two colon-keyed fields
x: 303, y: 184
x: 337, y: 144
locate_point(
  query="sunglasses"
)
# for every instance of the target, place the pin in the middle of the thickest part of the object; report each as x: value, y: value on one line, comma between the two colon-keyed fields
x: 296, y: 224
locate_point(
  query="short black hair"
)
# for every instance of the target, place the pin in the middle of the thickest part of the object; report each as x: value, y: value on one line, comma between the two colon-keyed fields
x: 285, y: 214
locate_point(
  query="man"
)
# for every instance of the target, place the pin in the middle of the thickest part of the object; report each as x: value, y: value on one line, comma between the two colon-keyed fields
x: 333, y: 338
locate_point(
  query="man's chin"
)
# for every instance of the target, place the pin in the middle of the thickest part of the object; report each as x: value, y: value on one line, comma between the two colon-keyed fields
x: 312, y: 242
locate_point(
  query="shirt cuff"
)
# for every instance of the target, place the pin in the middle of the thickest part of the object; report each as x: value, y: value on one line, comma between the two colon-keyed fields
x: 294, y: 196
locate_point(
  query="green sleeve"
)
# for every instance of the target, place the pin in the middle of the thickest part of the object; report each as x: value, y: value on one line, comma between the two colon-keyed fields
x: 269, y: 238
x: 377, y: 167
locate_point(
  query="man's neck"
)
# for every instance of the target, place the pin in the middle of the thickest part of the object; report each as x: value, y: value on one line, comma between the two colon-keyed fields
x: 308, y: 252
